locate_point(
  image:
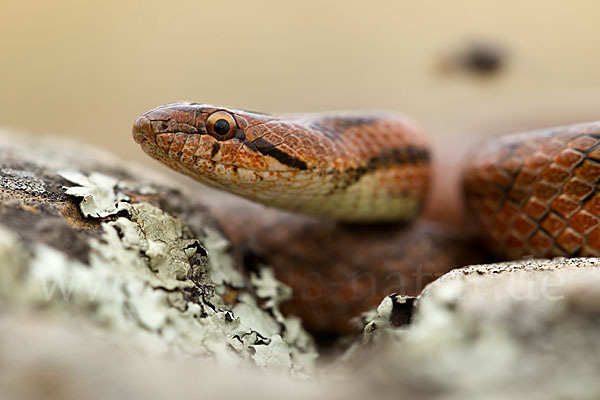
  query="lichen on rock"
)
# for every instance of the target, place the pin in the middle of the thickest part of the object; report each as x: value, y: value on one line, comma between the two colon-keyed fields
x: 171, y: 287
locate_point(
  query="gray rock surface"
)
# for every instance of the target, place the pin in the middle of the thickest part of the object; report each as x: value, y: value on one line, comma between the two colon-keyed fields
x: 144, y: 262
x: 527, y: 329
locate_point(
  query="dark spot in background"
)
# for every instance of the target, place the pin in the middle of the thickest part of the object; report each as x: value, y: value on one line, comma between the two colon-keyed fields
x: 477, y: 58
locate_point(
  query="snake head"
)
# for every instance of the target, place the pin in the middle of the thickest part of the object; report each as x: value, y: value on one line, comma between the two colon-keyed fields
x: 211, y: 144
x: 219, y: 143
x: 341, y: 166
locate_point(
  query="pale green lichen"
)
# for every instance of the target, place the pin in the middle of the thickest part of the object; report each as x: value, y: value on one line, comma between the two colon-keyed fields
x: 274, y: 355
x: 380, y: 317
x: 152, y: 280
x: 268, y: 287
x: 98, y: 192
x: 132, y: 291
x: 220, y: 263
x: 273, y: 292
x: 13, y: 255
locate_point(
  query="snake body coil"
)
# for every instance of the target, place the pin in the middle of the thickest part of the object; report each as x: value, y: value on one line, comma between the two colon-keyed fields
x: 535, y: 193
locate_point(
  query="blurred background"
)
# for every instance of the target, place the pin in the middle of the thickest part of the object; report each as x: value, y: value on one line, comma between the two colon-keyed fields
x: 464, y: 69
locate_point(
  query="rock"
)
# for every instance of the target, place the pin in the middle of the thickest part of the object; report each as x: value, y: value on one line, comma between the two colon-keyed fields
x: 84, y: 234
x: 526, y: 329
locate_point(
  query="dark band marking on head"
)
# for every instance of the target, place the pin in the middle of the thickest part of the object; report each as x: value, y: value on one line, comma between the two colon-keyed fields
x: 387, y: 158
x: 334, y: 127
x: 215, y: 149
x: 239, y: 134
x: 250, y: 145
x: 405, y: 155
x: 268, y: 149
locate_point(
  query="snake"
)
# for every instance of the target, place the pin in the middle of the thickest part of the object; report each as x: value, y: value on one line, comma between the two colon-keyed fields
x: 352, y: 186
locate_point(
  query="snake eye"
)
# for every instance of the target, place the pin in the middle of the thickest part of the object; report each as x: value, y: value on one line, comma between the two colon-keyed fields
x: 221, y: 125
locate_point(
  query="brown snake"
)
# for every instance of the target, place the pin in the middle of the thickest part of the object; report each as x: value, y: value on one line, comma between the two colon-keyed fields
x: 529, y: 194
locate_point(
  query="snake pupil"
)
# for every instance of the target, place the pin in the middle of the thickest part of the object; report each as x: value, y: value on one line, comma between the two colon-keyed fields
x: 222, y: 127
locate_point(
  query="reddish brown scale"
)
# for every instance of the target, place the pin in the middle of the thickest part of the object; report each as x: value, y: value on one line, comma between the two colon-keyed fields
x: 549, y: 206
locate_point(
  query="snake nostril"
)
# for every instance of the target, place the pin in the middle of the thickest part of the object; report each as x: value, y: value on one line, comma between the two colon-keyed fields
x: 142, y: 129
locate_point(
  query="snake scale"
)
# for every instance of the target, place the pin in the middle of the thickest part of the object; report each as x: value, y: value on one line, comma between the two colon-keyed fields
x: 362, y: 180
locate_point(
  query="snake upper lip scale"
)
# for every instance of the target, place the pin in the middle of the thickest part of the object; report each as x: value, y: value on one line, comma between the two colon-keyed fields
x: 529, y: 194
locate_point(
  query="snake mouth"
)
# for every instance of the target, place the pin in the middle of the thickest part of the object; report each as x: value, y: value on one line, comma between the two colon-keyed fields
x: 180, y: 118
x: 203, y: 157
x: 142, y: 130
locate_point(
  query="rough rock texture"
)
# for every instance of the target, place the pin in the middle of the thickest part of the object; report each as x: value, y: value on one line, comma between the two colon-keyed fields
x: 527, y: 329
x: 83, y: 234
x: 116, y: 283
